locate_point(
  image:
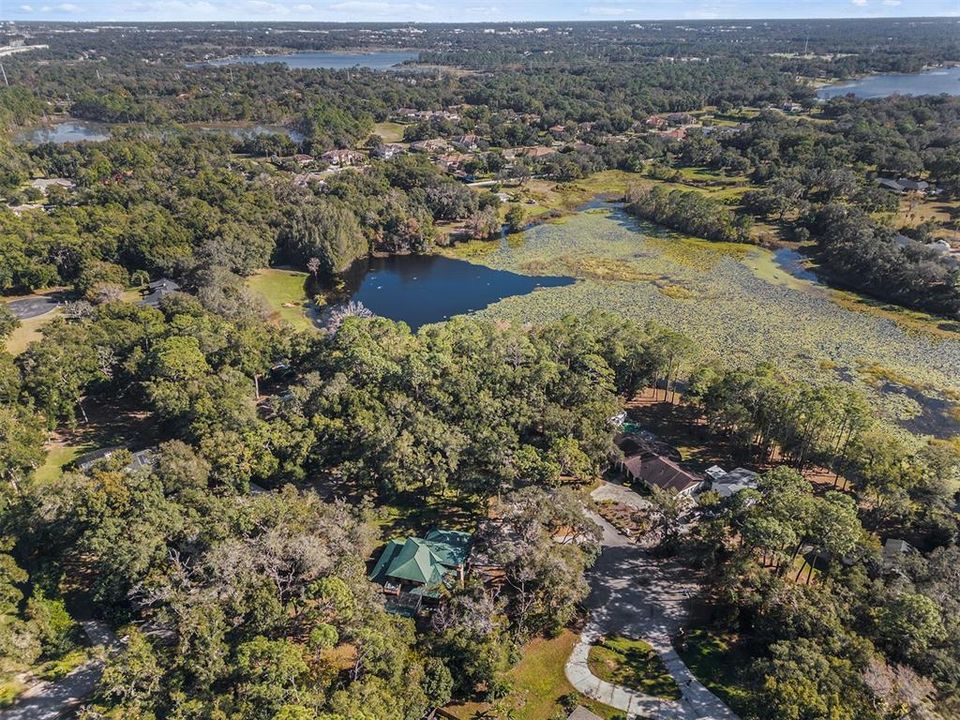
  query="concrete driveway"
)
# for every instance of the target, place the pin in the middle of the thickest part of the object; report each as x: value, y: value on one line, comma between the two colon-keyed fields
x: 31, y: 307
x: 637, y: 595
x: 52, y: 700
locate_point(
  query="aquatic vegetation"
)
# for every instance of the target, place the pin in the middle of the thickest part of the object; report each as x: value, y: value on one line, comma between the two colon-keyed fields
x: 736, y: 314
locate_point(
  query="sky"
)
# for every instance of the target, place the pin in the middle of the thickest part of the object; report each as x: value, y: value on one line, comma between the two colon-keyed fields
x: 463, y: 10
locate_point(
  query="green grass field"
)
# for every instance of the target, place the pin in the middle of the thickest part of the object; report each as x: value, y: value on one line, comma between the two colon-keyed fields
x: 632, y: 664
x: 285, y: 293
x: 58, y: 457
x: 390, y: 132
x: 28, y: 331
x: 538, y: 682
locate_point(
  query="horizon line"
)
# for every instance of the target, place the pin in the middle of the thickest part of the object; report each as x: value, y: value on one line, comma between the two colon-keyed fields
x: 579, y: 21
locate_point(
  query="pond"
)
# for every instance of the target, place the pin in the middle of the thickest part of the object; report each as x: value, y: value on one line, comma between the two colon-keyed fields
x: 242, y: 132
x: 72, y: 131
x: 740, y: 305
x: 69, y: 131
x: 423, y: 289
x: 927, y: 82
x: 380, y: 60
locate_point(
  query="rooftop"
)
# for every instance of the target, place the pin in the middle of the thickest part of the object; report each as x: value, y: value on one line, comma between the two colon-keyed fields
x: 422, y: 561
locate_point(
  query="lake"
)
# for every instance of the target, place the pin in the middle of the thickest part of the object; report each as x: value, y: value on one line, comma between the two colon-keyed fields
x: 927, y: 82
x: 241, y: 132
x: 381, y: 60
x: 69, y: 131
x: 72, y: 131
x: 423, y: 289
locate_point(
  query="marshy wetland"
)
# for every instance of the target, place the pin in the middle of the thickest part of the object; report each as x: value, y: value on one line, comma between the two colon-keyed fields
x: 742, y: 304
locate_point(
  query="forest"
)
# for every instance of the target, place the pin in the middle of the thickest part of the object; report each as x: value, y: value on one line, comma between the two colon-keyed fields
x: 234, y: 566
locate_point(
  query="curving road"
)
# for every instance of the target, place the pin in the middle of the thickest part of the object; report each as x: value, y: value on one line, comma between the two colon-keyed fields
x: 639, y: 596
x: 31, y: 307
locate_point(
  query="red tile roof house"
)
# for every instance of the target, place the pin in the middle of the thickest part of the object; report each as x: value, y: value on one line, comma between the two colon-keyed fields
x: 655, y: 121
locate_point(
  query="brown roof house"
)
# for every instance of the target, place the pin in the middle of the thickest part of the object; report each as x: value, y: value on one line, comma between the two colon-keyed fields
x: 641, y: 464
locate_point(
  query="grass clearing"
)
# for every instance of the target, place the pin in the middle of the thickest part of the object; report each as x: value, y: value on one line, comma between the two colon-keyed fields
x: 633, y: 664
x: 538, y: 683
x: 389, y: 132
x: 29, y: 330
x: 285, y: 293
x: 717, y: 662
x: 415, y: 515
x: 58, y: 457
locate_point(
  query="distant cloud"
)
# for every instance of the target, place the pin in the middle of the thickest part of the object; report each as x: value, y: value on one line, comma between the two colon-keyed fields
x: 609, y: 11
x: 26, y: 8
x: 377, y: 8
x: 303, y: 8
x: 67, y: 8
x: 175, y: 8
x: 891, y: 3
x: 858, y: 3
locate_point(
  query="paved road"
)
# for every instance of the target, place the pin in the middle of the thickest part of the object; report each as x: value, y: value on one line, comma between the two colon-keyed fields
x: 31, y: 307
x: 634, y: 594
x: 51, y: 700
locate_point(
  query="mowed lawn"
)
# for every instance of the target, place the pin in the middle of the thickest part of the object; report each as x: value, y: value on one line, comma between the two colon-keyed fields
x: 58, y: 457
x: 538, y: 682
x: 390, y: 132
x: 285, y: 293
x: 633, y: 664
x: 27, y: 332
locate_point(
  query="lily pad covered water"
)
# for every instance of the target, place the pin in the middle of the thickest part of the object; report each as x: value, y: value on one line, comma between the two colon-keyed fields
x: 738, y: 303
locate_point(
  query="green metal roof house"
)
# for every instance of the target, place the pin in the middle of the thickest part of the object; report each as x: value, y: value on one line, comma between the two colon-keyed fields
x: 422, y: 566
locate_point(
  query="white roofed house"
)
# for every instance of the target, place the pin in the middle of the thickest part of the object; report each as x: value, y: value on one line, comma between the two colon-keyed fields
x: 727, y: 484
x: 388, y: 151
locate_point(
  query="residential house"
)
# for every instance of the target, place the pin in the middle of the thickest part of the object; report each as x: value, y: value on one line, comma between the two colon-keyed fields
x: 730, y: 483
x: 305, y: 179
x: 302, y: 159
x: 558, y: 130
x: 536, y: 151
x: 914, y: 185
x: 467, y: 142
x: 894, y: 550
x: 676, y: 133
x: 44, y: 184
x: 388, y: 151
x: 453, y: 161
x: 417, y: 570
x: 680, y: 118
x: 642, y: 464
x: 902, y: 185
x: 342, y: 158
x: 433, y: 146
x: 139, y: 459
x: 157, y: 291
